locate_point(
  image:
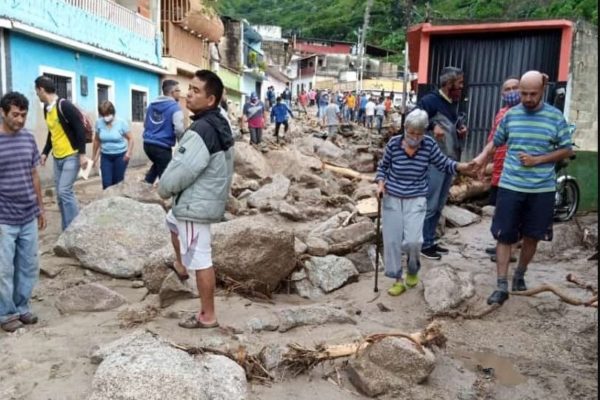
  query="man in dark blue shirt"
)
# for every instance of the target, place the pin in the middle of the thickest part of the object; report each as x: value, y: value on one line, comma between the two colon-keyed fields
x: 449, y: 132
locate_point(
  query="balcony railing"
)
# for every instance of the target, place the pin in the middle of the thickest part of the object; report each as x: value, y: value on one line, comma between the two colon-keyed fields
x: 118, y: 15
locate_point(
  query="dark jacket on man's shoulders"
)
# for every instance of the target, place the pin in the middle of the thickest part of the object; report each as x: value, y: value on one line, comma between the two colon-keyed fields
x: 70, y: 120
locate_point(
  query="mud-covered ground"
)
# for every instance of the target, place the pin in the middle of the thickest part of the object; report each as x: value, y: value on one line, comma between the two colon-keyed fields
x: 536, y: 347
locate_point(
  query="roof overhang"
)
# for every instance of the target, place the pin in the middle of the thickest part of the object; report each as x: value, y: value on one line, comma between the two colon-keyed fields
x: 73, y: 44
x: 419, y: 37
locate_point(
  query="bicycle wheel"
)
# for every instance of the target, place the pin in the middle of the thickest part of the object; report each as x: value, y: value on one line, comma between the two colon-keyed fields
x: 567, y: 201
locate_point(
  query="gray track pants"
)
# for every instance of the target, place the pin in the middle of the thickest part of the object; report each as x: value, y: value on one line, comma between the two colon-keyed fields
x: 402, y: 221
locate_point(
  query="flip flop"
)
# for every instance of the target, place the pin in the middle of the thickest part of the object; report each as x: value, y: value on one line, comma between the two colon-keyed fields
x: 182, y: 277
x: 194, y: 323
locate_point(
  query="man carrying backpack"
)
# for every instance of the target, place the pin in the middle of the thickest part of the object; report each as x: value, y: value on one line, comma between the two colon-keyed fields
x: 163, y: 124
x: 66, y: 139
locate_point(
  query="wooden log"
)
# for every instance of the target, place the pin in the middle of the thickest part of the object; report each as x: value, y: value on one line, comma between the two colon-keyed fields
x: 467, y: 188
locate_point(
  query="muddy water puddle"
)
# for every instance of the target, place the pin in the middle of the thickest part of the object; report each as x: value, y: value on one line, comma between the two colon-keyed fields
x: 501, y: 368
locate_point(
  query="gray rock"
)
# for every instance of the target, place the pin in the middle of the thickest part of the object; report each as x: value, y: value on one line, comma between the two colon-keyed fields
x: 565, y: 236
x: 446, y: 288
x: 254, y: 250
x: 268, y: 196
x: 262, y: 324
x: 345, y: 240
x: 330, y: 224
x: 317, y: 246
x: 289, y: 211
x: 135, y: 190
x: 53, y: 266
x: 133, y: 230
x: 299, y: 246
x: 365, y: 192
x: 330, y: 272
x: 88, y: 297
x: 361, y: 260
x: 328, y: 151
x: 488, y: 211
x: 363, y: 162
x: 240, y: 184
x: 272, y: 356
x: 388, y: 365
x: 290, y: 318
x: 146, y: 368
x: 292, y: 163
x: 173, y: 289
x: 457, y: 216
x: 372, y: 253
x: 249, y: 162
x: 157, y: 267
x: 304, y: 287
x: 310, y: 196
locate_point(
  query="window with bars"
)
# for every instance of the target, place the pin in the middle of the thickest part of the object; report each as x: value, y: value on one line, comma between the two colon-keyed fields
x: 138, y: 105
x: 63, y: 84
x: 102, y: 91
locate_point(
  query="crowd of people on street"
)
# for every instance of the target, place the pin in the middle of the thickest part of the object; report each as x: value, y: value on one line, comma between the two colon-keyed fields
x: 194, y: 167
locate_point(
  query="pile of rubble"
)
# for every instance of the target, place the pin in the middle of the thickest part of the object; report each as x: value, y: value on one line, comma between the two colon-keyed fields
x: 299, y: 218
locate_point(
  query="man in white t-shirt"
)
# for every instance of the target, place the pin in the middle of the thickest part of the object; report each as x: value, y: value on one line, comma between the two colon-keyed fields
x: 370, y: 113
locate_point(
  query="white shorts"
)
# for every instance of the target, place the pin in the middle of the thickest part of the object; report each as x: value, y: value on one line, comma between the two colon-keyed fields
x: 194, y: 242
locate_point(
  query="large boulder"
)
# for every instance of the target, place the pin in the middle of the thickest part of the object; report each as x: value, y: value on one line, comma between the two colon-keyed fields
x: 114, y: 236
x: 253, y: 250
x: 249, y: 162
x: 268, y: 196
x: 446, y: 288
x: 292, y: 163
x: 327, y: 151
x: 147, y: 368
x: 390, y: 365
x: 363, y: 162
x: 88, y: 297
x: 135, y: 190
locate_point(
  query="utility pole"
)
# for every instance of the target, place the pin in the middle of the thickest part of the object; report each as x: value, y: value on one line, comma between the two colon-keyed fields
x: 405, y: 91
x: 363, y: 37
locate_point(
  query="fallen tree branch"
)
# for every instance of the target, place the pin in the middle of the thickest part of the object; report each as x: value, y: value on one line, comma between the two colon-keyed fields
x: 299, y: 358
x: 245, y: 289
x: 564, y: 297
x: 584, y: 285
x: 253, y: 367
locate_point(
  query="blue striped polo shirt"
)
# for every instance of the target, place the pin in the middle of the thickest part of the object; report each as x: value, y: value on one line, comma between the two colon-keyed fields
x: 18, y: 156
x: 406, y: 176
x: 536, y: 133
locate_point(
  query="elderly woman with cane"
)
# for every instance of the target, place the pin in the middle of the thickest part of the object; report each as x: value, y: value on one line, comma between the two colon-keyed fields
x: 402, y: 182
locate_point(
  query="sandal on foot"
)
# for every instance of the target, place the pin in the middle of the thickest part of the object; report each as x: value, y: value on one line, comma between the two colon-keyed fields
x: 397, y: 289
x: 28, y: 318
x: 182, y: 276
x: 411, y: 280
x: 194, y: 323
x: 12, y: 325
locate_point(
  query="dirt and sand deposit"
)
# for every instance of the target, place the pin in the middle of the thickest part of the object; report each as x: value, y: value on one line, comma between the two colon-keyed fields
x: 531, y: 348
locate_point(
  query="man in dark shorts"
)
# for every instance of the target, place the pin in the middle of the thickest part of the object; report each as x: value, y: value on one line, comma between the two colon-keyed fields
x: 510, y: 98
x: 537, y: 137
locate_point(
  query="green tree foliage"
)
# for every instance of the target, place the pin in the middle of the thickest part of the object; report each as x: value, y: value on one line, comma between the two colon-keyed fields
x: 341, y: 19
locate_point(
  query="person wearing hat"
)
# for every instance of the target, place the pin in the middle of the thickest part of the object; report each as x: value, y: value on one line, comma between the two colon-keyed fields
x: 254, y: 115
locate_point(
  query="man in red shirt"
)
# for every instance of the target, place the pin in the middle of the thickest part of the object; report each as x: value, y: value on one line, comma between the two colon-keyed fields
x: 510, y: 98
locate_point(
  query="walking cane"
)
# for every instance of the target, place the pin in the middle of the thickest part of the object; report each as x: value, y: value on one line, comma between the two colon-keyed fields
x: 377, y: 241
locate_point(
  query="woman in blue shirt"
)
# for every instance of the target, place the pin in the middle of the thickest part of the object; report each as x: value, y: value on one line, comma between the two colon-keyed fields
x: 114, y: 143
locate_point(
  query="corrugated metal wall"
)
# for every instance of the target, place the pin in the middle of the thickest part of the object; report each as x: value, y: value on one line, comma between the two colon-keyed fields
x: 487, y: 61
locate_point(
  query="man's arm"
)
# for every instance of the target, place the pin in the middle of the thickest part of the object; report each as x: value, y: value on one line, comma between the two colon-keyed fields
x: 71, y: 114
x: 37, y: 187
x: 178, y: 125
x: 557, y: 155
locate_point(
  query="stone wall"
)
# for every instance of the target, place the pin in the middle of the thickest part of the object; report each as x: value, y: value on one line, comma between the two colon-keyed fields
x: 582, y: 103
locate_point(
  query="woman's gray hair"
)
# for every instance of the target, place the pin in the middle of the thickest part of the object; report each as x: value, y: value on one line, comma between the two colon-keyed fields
x: 449, y: 75
x: 417, y: 119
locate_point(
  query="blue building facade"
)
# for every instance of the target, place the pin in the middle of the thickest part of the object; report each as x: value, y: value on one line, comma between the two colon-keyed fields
x: 94, y: 51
